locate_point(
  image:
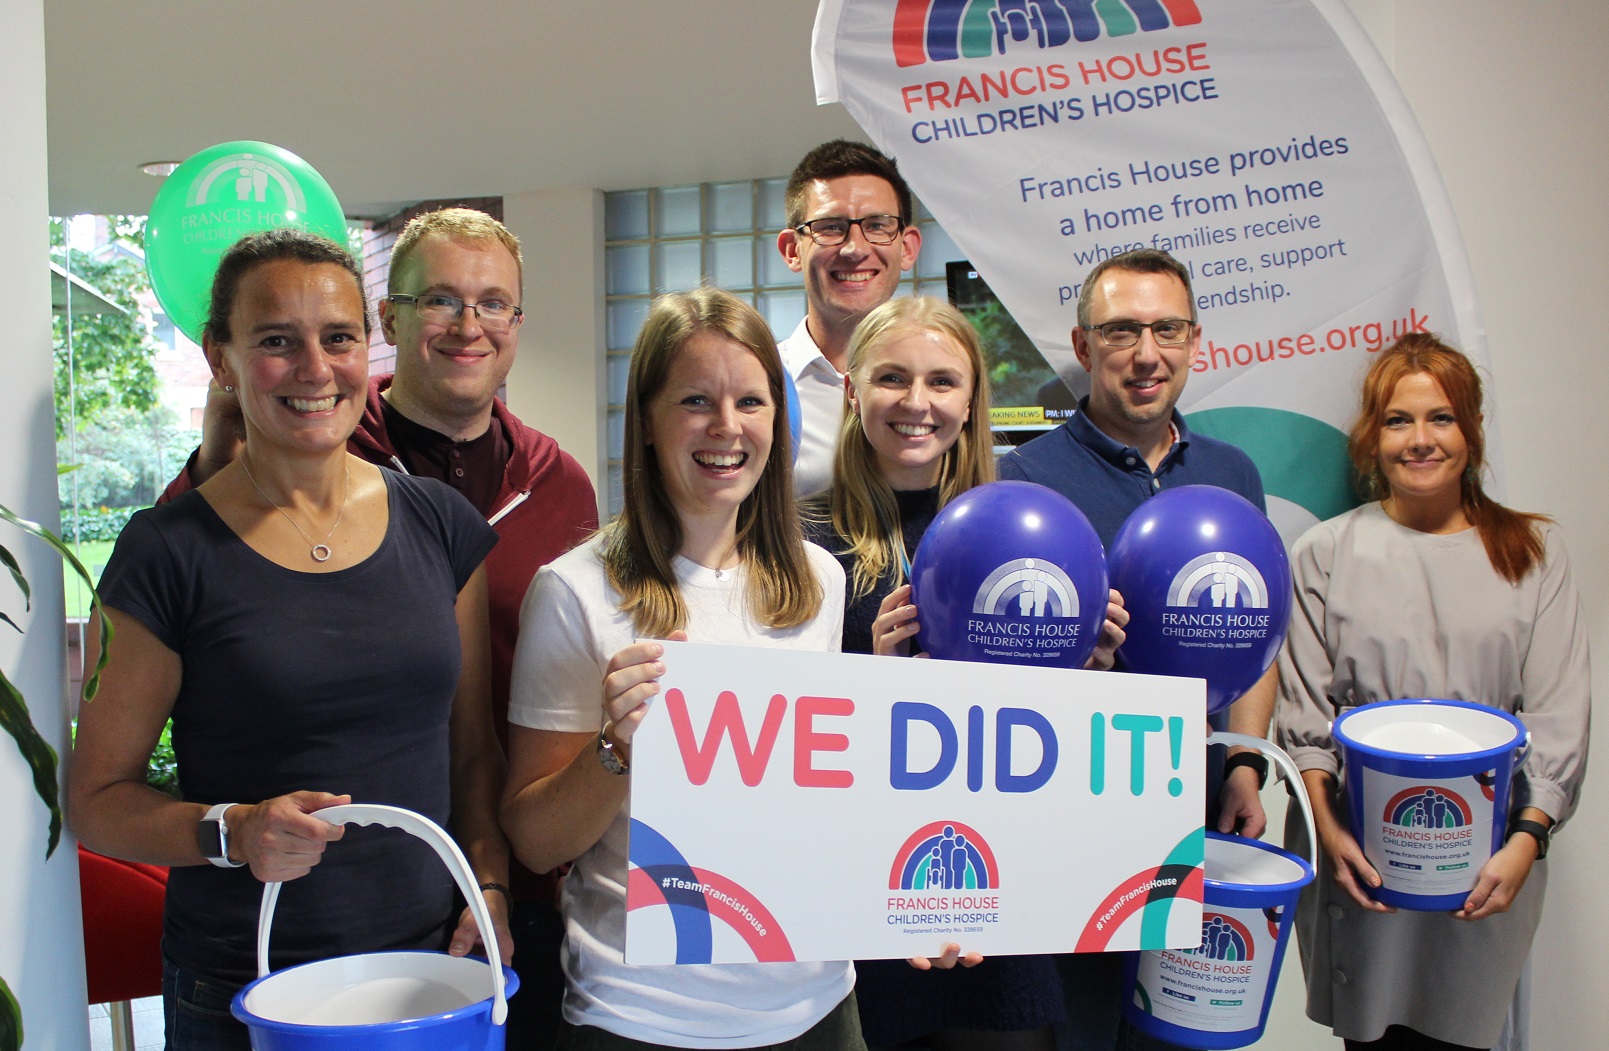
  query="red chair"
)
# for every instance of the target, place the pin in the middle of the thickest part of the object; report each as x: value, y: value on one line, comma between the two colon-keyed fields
x: 122, y: 903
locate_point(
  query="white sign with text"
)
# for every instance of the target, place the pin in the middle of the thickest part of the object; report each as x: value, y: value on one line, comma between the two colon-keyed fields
x: 810, y: 806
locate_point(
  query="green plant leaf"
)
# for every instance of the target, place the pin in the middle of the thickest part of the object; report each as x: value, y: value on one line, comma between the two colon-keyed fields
x: 10, y: 1019
x: 41, y: 758
x: 92, y: 681
x: 10, y: 562
x: 13, y: 623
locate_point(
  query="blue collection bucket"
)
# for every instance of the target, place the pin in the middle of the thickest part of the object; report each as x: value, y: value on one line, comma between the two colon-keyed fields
x: 1427, y: 792
x: 1217, y: 994
x: 386, y: 1001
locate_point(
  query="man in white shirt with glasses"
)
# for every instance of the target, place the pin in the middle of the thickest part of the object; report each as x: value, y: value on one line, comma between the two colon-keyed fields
x: 850, y: 234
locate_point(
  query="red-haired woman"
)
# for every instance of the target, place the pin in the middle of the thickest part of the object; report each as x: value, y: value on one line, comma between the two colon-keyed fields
x: 1433, y: 589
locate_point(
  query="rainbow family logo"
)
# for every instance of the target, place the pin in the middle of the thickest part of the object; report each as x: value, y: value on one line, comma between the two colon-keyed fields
x: 1224, y: 938
x: 942, y: 30
x: 246, y: 178
x: 1221, y: 580
x: 944, y: 855
x: 1027, y: 587
x: 1428, y: 806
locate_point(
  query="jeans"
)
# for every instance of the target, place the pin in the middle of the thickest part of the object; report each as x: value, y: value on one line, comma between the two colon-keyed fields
x: 195, y: 1009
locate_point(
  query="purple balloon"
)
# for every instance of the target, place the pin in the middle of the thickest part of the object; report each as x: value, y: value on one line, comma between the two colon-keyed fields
x: 1207, y: 584
x: 1010, y: 573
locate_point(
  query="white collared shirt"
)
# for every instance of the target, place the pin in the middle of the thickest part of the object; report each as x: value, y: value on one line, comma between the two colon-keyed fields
x: 822, y: 401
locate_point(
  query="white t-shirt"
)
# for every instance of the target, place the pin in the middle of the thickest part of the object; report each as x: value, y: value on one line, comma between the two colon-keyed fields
x: 821, y: 401
x: 570, y: 625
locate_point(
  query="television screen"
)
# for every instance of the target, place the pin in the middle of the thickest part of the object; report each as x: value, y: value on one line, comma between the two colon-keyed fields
x: 1026, y: 396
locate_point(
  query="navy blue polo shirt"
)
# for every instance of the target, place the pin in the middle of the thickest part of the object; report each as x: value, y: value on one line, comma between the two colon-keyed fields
x: 1108, y: 480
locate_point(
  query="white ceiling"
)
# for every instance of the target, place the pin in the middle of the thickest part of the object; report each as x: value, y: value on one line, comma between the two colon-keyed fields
x: 396, y: 101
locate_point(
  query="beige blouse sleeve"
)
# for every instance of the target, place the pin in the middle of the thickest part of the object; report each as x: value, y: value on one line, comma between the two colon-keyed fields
x: 1303, y: 712
x: 1556, y: 693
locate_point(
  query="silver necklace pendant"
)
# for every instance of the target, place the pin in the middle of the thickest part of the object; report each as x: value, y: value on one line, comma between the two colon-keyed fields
x: 320, y: 552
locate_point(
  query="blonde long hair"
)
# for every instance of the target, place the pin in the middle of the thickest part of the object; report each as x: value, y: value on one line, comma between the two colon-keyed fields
x: 862, y: 506
x: 640, y: 546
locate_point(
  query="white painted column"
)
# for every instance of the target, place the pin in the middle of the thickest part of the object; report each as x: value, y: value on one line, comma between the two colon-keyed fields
x: 41, y: 927
x: 557, y: 384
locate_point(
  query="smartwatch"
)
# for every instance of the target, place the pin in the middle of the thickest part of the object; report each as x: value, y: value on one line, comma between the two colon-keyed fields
x: 1255, y: 760
x: 212, y: 836
x: 1536, y: 829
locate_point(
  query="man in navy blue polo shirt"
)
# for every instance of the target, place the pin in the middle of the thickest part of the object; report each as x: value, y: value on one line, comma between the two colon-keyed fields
x: 1137, y: 337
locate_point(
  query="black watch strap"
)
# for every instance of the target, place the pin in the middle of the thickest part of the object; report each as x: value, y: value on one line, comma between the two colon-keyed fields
x: 1535, y: 829
x: 1254, y: 760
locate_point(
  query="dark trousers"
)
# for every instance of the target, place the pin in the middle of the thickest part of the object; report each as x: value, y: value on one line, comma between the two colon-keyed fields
x: 1401, y: 1038
x: 195, y: 1010
x: 535, y: 1012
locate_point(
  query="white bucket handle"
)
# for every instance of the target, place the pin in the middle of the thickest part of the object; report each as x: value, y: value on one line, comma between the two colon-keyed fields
x: 1287, y: 766
x: 433, y: 834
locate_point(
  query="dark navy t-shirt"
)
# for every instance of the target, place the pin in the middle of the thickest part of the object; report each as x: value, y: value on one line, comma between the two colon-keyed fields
x: 339, y: 682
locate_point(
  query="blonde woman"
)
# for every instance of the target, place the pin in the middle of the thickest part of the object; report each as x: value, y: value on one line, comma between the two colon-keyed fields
x: 915, y: 436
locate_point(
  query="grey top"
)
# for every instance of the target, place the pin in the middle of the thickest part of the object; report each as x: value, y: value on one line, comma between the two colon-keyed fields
x: 1383, y: 612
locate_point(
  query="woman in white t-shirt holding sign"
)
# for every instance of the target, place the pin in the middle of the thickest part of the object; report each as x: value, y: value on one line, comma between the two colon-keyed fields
x: 706, y: 548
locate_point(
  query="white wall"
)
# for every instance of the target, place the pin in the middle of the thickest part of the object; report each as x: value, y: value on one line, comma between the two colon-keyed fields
x: 1512, y: 101
x: 557, y: 383
x: 41, y: 936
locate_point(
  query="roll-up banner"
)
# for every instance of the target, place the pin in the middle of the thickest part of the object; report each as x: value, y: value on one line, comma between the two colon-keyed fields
x: 1264, y: 143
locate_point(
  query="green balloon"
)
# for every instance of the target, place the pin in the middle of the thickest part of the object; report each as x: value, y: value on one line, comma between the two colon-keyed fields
x: 213, y: 200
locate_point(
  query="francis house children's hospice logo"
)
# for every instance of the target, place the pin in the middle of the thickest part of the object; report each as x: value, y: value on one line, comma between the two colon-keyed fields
x: 1428, y: 806
x: 1219, y: 579
x: 937, y: 880
x: 1224, y: 938
x: 1027, y: 587
x: 1217, y: 600
x: 942, y: 30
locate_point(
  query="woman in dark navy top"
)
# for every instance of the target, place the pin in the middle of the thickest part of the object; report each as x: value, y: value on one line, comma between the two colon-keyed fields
x: 915, y: 437
x: 316, y: 629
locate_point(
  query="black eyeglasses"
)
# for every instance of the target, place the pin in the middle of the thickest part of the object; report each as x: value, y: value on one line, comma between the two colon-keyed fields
x: 433, y: 306
x: 1168, y: 333
x: 834, y: 230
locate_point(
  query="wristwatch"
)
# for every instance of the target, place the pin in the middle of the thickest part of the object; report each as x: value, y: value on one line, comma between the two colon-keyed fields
x: 1536, y: 829
x: 212, y: 836
x: 610, y: 756
x: 1255, y: 760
